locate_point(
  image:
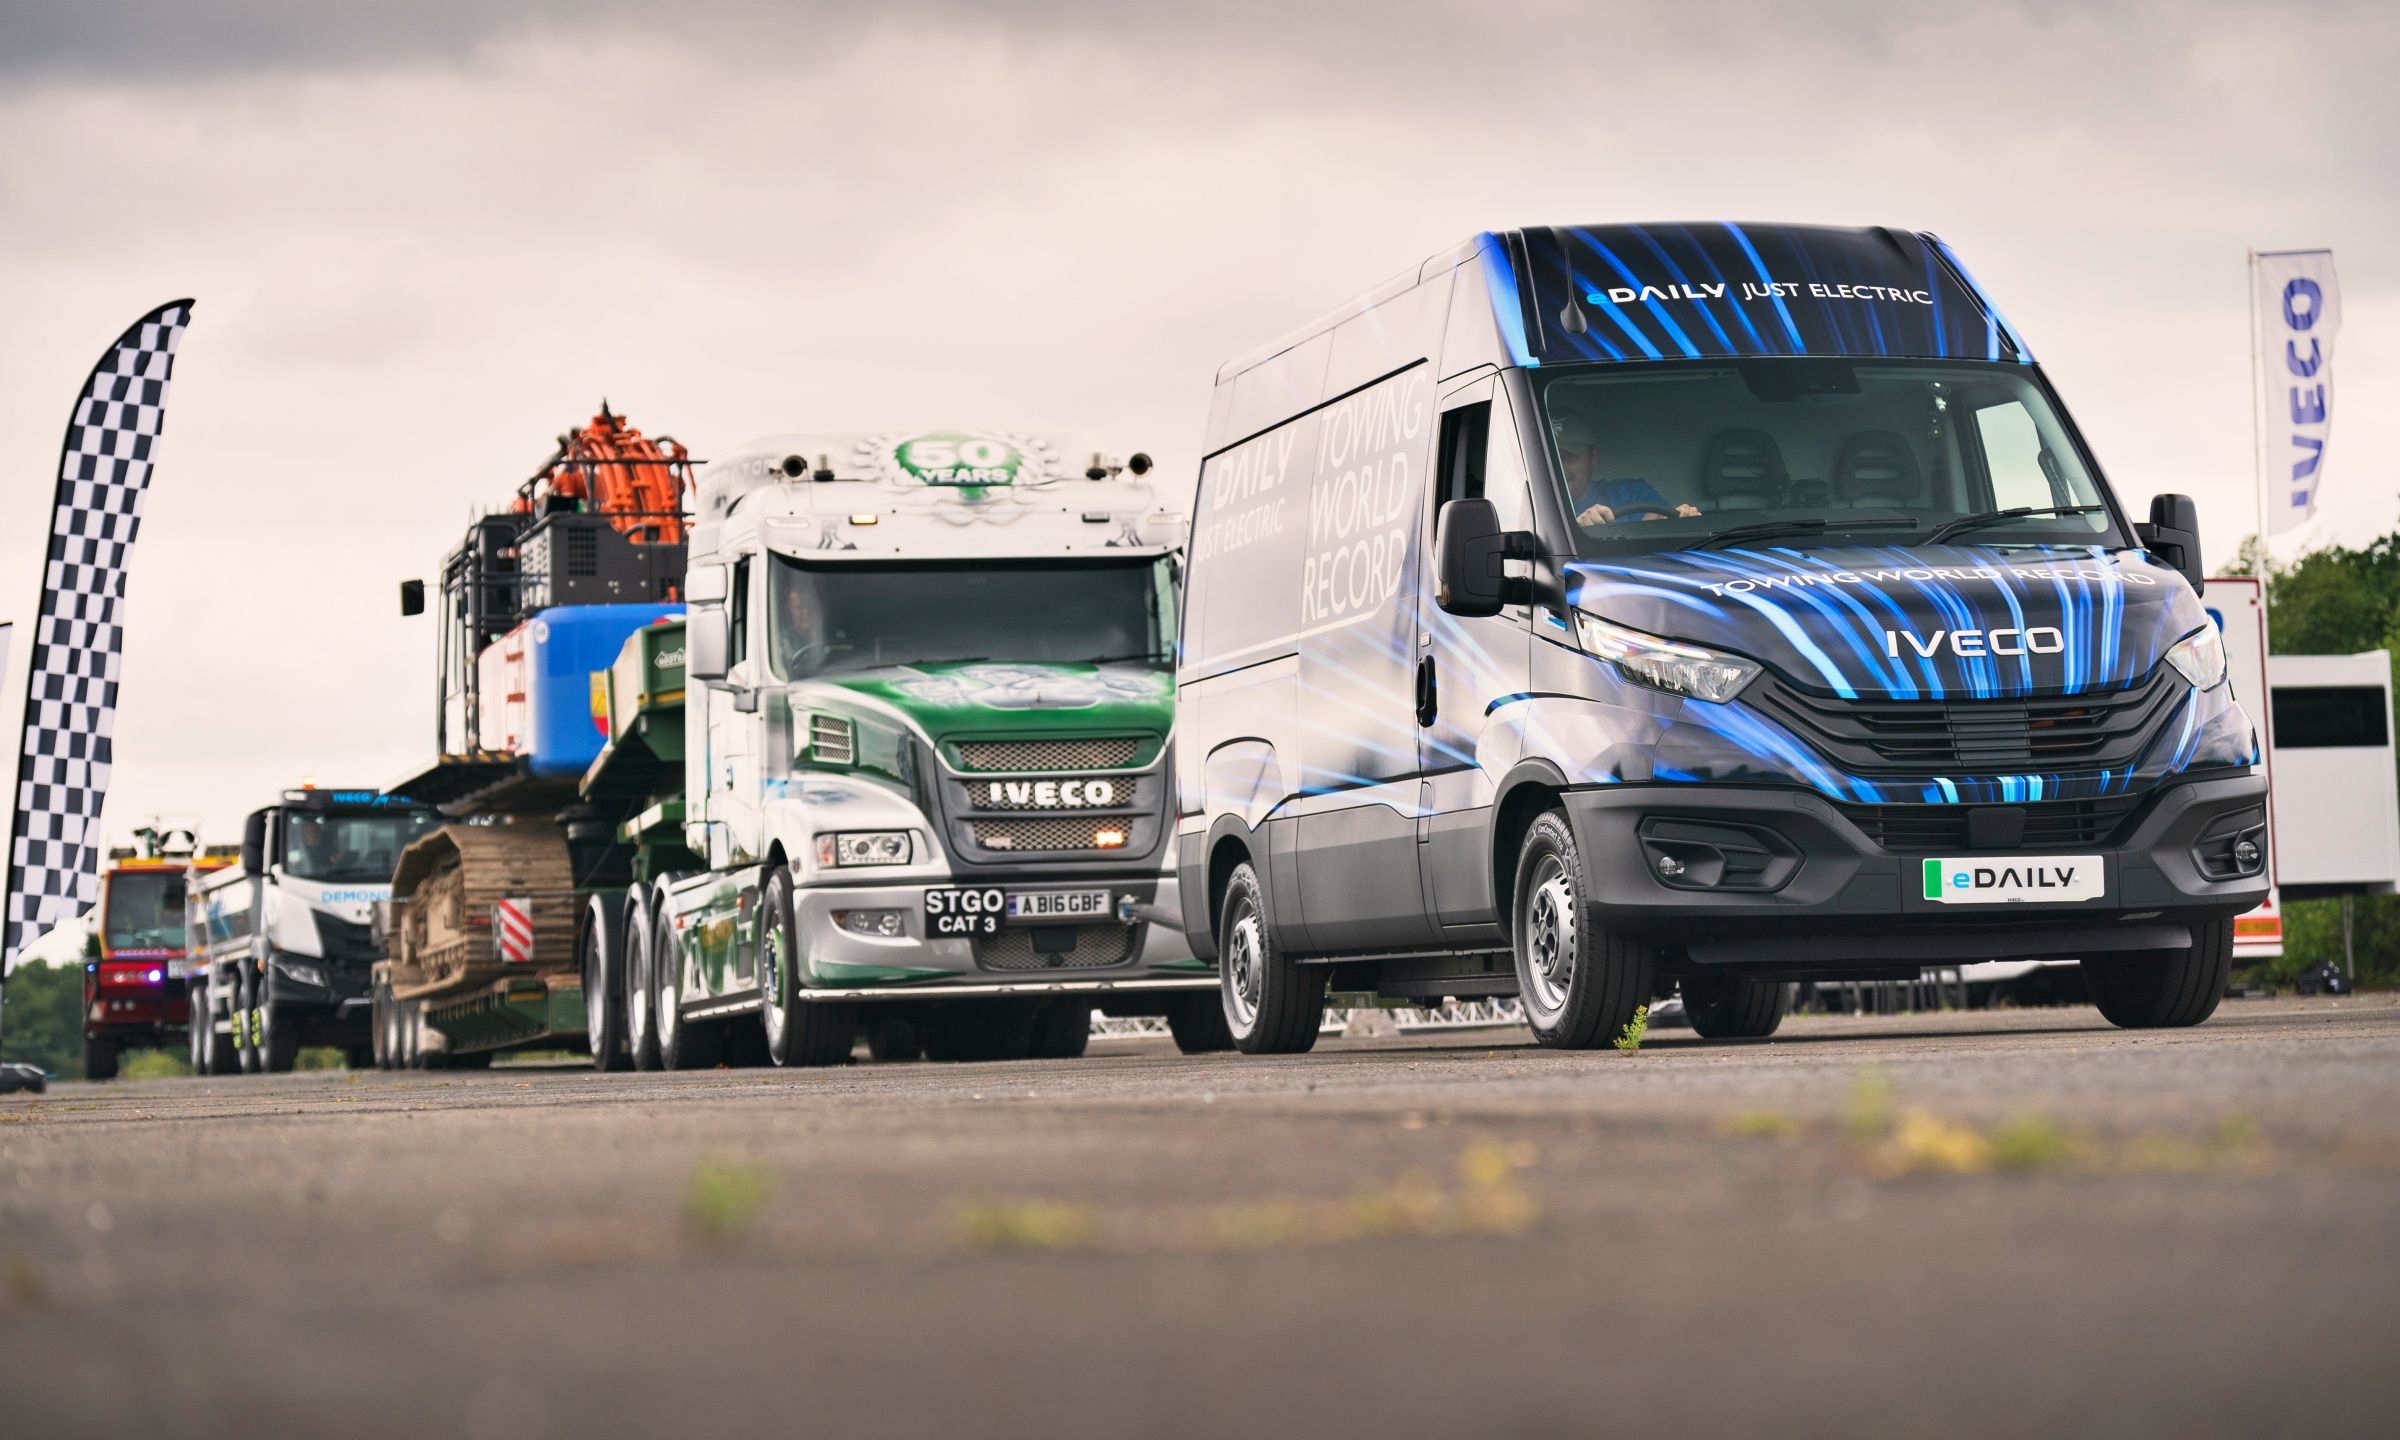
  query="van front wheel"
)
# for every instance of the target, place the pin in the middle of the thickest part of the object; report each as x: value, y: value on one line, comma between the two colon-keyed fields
x: 1272, y: 1005
x: 2164, y: 989
x: 1579, y: 983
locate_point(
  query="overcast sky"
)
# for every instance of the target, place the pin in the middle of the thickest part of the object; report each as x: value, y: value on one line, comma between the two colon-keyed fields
x: 425, y: 238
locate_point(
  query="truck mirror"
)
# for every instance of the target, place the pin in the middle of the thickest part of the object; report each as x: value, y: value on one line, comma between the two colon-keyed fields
x: 412, y: 597
x: 705, y: 585
x: 708, y: 643
x: 2173, y: 535
x: 254, y: 842
x: 1471, y: 552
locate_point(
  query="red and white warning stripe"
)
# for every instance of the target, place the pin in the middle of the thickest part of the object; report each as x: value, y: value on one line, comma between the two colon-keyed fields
x: 512, y: 930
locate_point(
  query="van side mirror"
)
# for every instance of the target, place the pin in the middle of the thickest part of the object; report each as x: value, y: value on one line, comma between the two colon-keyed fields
x: 2173, y: 535
x: 412, y: 597
x: 708, y: 643
x: 1471, y: 552
x: 254, y: 843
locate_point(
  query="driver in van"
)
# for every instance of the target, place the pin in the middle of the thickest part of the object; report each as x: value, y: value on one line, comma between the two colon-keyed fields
x: 1598, y: 501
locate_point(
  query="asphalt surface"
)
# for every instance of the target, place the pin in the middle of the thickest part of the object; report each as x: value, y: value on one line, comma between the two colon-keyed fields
x: 2014, y: 1222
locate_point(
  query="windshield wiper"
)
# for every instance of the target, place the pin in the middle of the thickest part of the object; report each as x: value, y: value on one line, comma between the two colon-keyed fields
x: 1798, y: 525
x: 1965, y: 523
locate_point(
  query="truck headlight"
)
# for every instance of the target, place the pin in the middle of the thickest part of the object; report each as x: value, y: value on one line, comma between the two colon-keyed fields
x: 1670, y: 665
x: 306, y: 974
x: 864, y: 847
x: 2200, y: 657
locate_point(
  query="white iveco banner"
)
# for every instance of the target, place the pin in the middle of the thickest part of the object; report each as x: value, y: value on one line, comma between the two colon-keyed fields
x: 2296, y: 309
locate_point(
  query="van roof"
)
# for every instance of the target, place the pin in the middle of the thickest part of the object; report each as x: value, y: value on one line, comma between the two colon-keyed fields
x: 1709, y: 290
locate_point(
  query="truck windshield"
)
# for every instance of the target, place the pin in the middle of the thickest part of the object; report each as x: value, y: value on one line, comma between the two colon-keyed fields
x: 832, y: 619
x: 145, y: 910
x: 1676, y: 456
x: 320, y: 845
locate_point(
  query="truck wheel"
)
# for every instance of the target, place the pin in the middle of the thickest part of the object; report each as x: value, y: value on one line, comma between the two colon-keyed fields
x: 1272, y: 1005
x: 2164, y: 989
x: 195, y: 1030
x: 894, y: 1040
x: 245, y: 1021
x: 100, y: 1056
x: 799, y: 1032
x: 1062, y: 1030
x: 1579, y: 984
x: 217, y: 1055
x: 278, y: 1041
x: 604, y: 982
x: 682, y: 1045
x: 1198, y: 1024
x: 1730, y: 1007
x: 641, y: 1031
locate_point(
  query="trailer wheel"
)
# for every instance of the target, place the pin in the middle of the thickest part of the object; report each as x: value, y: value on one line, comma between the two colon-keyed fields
x: 195, y: 1028
x: 2164, y: 989
x: 799, y: 1032
x: 1730, y: 1007
x: 1198, y: 1024
x: 100, y: 1056
x: 1579, y: 984
x: 604, y: 981
x: 892, y: 1039
x: 682, y: 1044
x: 1062, y: 1030
x: 1272, y: 1005
x: 641, y: 1030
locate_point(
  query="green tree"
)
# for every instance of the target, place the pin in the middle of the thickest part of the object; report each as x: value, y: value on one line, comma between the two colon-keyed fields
x: 44, y: 1024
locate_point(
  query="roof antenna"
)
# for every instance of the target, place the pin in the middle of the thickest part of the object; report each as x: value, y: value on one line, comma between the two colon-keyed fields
x: 1571, y: 319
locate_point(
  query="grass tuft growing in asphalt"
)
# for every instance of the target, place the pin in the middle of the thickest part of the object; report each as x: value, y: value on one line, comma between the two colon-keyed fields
x: 1630, y: 1042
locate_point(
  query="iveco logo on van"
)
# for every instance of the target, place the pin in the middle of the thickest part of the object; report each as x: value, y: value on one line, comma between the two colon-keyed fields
x: 1972, y: 644
x: 1048, y: 794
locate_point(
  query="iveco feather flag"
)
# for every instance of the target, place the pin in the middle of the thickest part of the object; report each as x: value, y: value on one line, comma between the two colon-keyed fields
x: 2297, y: 308
x: 71, y: 686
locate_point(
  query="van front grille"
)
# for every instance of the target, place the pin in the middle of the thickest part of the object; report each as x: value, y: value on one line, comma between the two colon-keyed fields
x: 1940, y: 829
x: 1968, y: 737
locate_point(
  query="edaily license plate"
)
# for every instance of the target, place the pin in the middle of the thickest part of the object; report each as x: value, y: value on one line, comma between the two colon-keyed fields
x: 2016, y: 879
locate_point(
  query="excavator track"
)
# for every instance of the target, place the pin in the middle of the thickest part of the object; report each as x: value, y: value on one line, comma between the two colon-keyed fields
x: 445, y: 887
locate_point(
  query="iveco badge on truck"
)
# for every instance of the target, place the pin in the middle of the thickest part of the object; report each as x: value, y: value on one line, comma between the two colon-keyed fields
x: 1598, y: 610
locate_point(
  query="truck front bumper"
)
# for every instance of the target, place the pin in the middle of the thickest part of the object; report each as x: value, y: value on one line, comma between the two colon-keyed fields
x: 1828, y: 896
x: 1138, y: 945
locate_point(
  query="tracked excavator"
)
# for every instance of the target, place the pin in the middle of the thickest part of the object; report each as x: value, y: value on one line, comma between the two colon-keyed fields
x: 539, y: 595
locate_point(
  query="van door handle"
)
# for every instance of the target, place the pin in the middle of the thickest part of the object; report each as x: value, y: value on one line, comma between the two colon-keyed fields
x: 1426, y: 691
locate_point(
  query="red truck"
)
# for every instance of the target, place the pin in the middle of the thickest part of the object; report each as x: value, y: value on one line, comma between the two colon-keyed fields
x: 133, y: 991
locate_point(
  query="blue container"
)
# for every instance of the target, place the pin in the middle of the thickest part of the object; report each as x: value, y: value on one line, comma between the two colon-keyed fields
x: 563, y: 647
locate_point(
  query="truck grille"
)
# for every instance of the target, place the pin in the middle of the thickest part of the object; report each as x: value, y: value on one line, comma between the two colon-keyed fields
x: 1869, y: 737
x: 1110, y: 752
x: 1094, y: 947
x: 1013, y: 836
x: 2049, y: 824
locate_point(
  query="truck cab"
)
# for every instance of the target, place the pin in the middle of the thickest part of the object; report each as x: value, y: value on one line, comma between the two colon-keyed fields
x: 133, y: 986
x: 927, y: 768
x: 281, y: 941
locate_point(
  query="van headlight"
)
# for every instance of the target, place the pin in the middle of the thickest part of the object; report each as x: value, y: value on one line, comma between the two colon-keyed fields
x: 2200, y: 657
x: 864, y: 847
x: 1670, y: 665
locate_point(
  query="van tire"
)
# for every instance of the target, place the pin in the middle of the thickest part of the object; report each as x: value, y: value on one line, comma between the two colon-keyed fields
x: 2164, y: 989
x: 1272, y: 1005
x: 798, y: 1032
x: 1732, y: 1007
x: 1197, y: 1022
x: 1579, y: 984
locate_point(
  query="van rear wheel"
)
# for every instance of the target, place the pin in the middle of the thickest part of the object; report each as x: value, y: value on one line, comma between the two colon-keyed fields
x: 2164, y: 989
x: 1578, y: 982
x: 1730, y: 1007
x: 1272, y: 1005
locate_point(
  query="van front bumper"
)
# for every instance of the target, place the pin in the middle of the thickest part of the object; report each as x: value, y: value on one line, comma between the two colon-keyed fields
x: 845, y: 964
x: 1813, y: 889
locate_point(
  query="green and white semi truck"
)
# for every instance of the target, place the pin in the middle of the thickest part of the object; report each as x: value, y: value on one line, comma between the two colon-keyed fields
x: 900, y: 773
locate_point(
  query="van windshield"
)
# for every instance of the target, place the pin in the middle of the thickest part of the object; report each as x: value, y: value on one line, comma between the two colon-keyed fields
x: 1667, y: 456
x: 833, y: 619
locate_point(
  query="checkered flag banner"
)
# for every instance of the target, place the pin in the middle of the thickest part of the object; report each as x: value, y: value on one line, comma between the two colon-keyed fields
x: 71, y: 687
